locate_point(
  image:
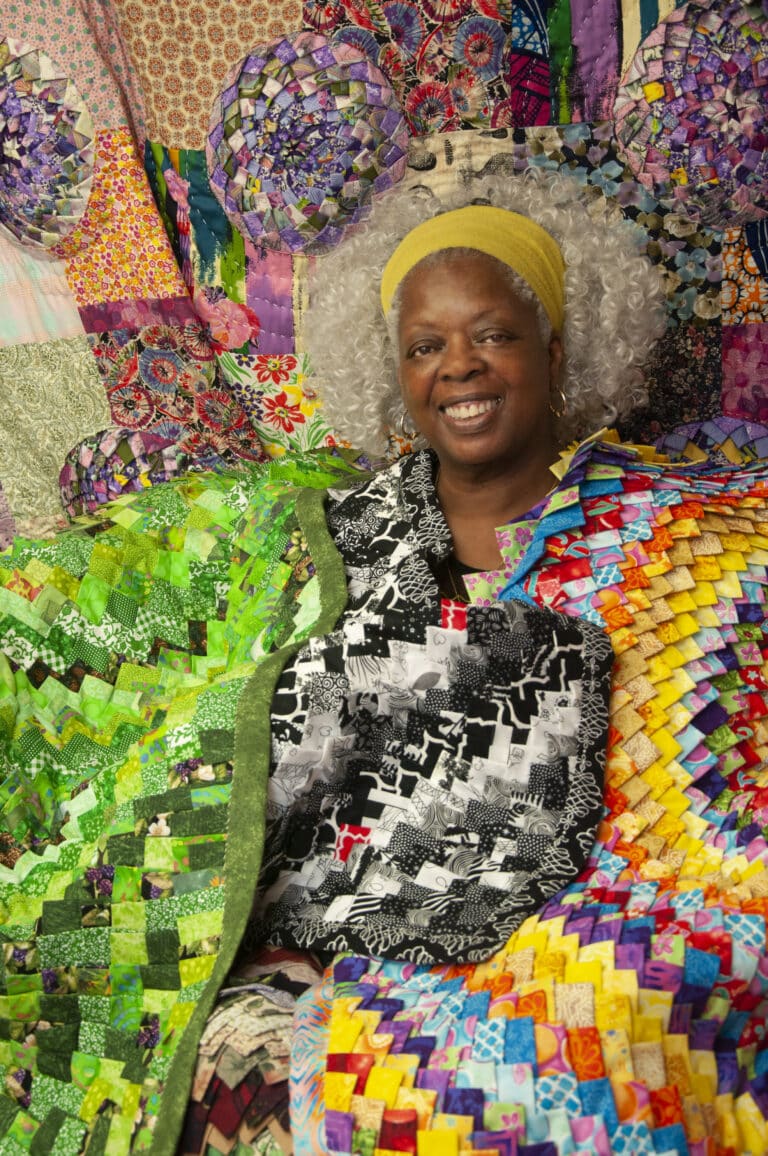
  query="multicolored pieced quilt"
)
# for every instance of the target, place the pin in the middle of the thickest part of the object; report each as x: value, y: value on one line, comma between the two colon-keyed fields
x: 129, y: 711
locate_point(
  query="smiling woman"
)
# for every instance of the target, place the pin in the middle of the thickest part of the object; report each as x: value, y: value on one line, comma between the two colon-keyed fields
x: 610, y: 298
x: 505, y: 325
x: 437, y: 767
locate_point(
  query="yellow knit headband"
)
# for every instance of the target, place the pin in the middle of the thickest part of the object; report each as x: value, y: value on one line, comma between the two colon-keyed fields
x: 513, y: 239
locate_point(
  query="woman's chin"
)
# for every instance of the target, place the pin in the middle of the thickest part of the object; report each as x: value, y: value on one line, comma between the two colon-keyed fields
x: 485, y: 454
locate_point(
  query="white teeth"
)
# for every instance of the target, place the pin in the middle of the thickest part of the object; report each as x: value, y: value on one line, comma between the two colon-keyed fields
x: 467, y: 409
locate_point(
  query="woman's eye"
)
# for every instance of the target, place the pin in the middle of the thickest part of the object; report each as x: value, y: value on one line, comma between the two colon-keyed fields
x: 496, y: 338
x: 421, y: 350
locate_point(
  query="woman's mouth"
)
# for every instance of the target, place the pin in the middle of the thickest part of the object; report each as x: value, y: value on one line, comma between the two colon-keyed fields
x: 463, y: 410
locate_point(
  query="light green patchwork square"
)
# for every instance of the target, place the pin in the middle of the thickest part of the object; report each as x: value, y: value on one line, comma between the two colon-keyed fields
x: 174, y: 568
x: 158, y: 852
x: 201, y: 925
x: 92, y: 597
x: 127, y: 915
x: 119, y: 1139
x: 129, y: 947
x: 133, y: 677
x: 158, y: 1001
x: 196, y: 971
x: 17, y: 1140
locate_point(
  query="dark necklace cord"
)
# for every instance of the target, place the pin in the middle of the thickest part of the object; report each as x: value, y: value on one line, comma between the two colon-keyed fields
x: 449, y: 573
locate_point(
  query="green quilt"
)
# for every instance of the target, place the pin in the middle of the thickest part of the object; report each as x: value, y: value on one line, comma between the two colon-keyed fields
x: 140, y: 652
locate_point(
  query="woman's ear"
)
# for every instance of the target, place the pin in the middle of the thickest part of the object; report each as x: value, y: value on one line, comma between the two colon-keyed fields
x: 555, y: 359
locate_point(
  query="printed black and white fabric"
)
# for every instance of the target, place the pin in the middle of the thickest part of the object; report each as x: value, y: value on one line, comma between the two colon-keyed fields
x: 431, y: 786
x: 391, y: 533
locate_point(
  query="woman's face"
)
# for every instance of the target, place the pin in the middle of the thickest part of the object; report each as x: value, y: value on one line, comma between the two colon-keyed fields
x: 476, y: 375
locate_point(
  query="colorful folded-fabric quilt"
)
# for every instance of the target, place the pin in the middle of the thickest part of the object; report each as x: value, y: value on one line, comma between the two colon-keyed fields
x: 628, y: 1015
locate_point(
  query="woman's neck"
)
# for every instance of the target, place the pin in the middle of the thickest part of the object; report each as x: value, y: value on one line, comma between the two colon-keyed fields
x: 475, y: 505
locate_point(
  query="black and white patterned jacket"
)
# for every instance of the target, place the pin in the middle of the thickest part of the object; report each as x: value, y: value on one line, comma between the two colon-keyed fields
x: 437, y: 773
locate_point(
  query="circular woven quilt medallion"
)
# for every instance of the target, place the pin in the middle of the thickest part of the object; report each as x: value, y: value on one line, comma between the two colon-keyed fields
x: 301, y: 137
x: 692, y: 111
x: 46, y: 147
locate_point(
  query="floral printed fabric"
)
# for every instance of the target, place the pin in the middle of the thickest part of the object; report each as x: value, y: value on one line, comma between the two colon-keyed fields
x: 685, y: 382
x: 70, y: 34
x: 164, y: 381
x: 120, y: 249
x: 745, y: 285
x: 687, y: 251
x: 453, y: 63
x: 282, y: 405
x: 745, y: 371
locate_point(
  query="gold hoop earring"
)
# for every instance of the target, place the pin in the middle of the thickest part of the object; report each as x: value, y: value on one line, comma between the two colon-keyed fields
x: 558, y: 413
x: 408, y: 434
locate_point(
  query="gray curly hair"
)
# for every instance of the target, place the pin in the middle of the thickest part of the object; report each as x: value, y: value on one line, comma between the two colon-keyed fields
x: 614, y: 305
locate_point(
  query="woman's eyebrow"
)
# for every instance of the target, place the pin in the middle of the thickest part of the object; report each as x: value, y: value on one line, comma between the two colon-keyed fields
x: 491, y: 313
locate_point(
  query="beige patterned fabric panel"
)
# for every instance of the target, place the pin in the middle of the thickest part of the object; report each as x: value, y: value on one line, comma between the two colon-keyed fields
x: 51, y: 397
x: 182, y: 54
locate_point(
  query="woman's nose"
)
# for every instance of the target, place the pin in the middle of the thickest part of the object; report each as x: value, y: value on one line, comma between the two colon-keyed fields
x: 461, y: 358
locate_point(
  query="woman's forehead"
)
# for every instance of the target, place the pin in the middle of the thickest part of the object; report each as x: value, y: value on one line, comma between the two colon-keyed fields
x: 466, y: 273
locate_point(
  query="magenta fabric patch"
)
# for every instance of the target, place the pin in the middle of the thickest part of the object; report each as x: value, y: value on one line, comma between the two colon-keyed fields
x: 134, y: 315
x: 269, y: 292
x: 745, y: 370
x: 529, y: 102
